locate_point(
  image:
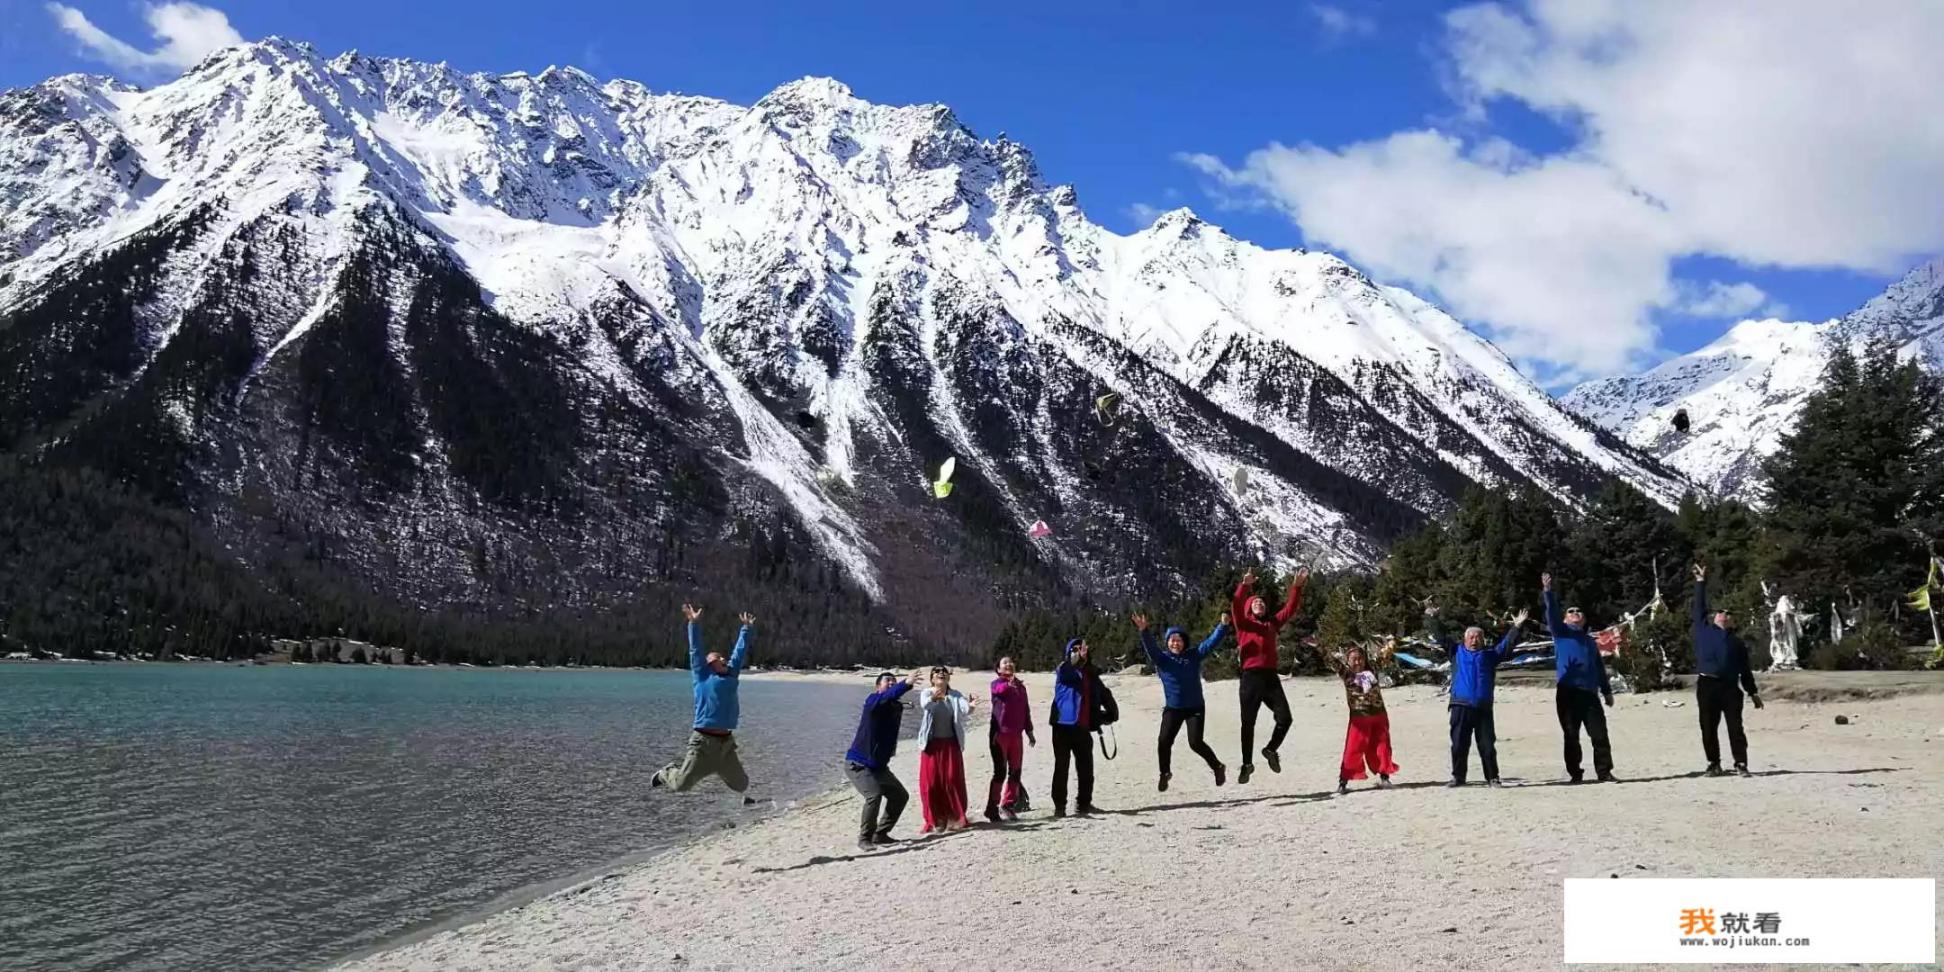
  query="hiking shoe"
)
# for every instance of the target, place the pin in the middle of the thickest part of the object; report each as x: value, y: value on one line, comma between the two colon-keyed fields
x: 1163, y: 785
x: 866, y: 845
x: 1608, y: 777
x: 1008, y: 816
x: 1454, y: 784
x: 1494, y: 784
x: 1275, y: 761
x: 884, y: 840
x: 1087, y: 810
x: 1221, y: 774
x: 1059, y: 812
x: 1243, y: 776
x: 655, y: 782
x: 1576, y: 779
x: 1714, y: 769
x: 1741, y: 769
x: 749, y: 801
x: 1384, y: 783
x: 992, y: 814
x: 1343, y: 786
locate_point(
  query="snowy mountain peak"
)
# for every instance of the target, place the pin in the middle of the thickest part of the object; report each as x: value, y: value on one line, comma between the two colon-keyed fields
x: 1743, y: 391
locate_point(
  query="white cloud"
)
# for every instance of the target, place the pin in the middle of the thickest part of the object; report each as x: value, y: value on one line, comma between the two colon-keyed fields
x: 1340, y: 24
x: 1791, y: 133
x: 1736, y: 300
x: 1143, y: 214
x: 187, y: 33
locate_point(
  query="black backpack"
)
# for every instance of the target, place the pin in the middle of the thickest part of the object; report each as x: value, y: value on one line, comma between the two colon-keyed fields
x: 1106, y: 711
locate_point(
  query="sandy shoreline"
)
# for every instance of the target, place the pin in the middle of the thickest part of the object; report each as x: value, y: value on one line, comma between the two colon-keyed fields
x: 1276, y: 874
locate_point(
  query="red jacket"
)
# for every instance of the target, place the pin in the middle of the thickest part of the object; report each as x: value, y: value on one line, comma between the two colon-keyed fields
x: 1255, y: 640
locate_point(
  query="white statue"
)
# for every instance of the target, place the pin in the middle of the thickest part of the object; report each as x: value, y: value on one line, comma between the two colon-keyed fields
x: 1785, y: 629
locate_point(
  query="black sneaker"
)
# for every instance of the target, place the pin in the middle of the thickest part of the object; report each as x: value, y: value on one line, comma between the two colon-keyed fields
x: 1243, y: 776
x: 1163, y: 785
x: 1608, y: 777
x: 1275, y: 762
x: 992, y: 814
x: 1576, y: 779
x: 749, y: 801
x: 1741, y: 769
x: 1343, y: 786
x: 1494, y: 783
x: 1087, y: 810
x: 866, y: 845
x: 1714, y: 769
x: 1221, y: 774
x: 655, y: 782
x: 1059, y: 812
x: 1454, y: 784
x: 1008, y: 815
x: 884, y: 840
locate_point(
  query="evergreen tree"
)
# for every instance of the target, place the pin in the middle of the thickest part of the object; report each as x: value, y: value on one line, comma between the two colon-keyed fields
x: 1616, y: 548
x: 1856, y: 488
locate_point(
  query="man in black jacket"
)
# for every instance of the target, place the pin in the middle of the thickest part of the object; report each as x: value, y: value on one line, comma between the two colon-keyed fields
x: 1720, y: 663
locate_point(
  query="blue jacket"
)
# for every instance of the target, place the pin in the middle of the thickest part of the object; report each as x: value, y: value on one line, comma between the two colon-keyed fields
x: 1181, y: 680
x: 1718, y: 653
x: 878, y: 728
x: 715, y: 695
x: 1073, y: 688
x: 1474, y: 673
x: 1576, y: 656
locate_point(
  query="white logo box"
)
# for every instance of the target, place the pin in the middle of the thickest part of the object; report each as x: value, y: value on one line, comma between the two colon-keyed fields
x: 1818, y: 920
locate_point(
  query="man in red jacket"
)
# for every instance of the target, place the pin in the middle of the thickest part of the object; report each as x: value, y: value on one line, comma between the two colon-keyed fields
x: 1255, y: 641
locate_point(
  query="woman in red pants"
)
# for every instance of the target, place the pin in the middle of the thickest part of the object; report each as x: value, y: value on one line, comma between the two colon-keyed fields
x: 941, y: 767
x: 1366, y: 743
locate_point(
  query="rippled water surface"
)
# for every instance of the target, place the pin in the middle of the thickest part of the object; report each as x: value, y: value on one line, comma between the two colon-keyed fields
x: 203, y: 816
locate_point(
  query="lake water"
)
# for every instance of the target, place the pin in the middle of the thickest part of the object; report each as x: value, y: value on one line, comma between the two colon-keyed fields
x: 222, y: 817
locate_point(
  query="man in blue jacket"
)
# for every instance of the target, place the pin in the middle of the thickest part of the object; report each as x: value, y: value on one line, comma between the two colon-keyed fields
x: 868, y: 762
x: 712, y: 746
x: 1582, y: 685
x: 1180, y: 671
x: 1474, y: 674
x: 1720, y: 662
x: 1076, y: 687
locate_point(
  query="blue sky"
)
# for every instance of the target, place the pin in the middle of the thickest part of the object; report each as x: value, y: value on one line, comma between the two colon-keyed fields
x: 1144, y: 106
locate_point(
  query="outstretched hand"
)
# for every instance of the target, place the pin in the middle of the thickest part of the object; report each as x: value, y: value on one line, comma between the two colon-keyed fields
x: 971, y: 702
x: 1140, y: 621
x: 746, y: 618
x: 1228, y: 620
x: 1249, y: 578
x: 692, y: 613
x: 917, y: 678
x: 1302, y: 577
x: 1519, y: 620
x: 1545, y: 582
x: 1700, y: 573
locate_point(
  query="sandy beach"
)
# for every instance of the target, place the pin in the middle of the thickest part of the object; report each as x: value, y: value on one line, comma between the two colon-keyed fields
x: 1280, y: 873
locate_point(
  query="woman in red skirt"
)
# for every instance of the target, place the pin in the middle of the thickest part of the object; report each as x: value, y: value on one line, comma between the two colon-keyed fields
x: 941, y: 767
x: 1366, y: 743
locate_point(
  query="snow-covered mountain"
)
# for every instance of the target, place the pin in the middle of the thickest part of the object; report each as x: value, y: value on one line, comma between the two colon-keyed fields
x: 454, y: 328
x: 1742, y: 393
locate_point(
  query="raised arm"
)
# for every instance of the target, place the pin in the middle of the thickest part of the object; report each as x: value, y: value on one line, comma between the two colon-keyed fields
x: 1503, y: 650
x: 1295, y: 600
x: 1438, y: 630
x: 740, y: 655
x: 891, y: 696
x: 1239, y: 604
x: 1555, y: 622
x: 1148, y: 645
x: 698, y: 657
x: 1214, y: 639
x: 1700, y: 595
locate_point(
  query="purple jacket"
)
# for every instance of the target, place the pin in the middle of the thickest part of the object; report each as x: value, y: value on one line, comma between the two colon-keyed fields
x: 1009, y: 711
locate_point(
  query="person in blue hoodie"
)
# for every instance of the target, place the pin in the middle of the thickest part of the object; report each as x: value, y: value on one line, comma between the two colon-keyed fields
x: 712, y: 744
x: 1722, y: 674
x: 868, y: 762
x: 1076, y: 691
x: 1181, y: 690
x: 1582, y: 686
x: 1474, y: 673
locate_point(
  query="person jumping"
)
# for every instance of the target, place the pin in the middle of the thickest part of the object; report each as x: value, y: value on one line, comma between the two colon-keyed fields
x: 1181, y: 688
x: 712, y: 744
x: 1582, y: 685
x: 1259, y: 685
x: 1720, y: 661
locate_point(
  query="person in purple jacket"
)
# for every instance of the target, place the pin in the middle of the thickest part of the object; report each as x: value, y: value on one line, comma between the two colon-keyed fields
x: 1011, y: 721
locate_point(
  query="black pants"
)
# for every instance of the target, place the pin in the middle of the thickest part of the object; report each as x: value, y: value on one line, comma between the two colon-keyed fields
x: 1468, y: 721
x: 1260, y: 687
x: 1171, y: 723
x: 876, y: 786
x: 1579, y: 707
x: 1072, y: 744
x: 1000, y: 772
x: 1719, y: 697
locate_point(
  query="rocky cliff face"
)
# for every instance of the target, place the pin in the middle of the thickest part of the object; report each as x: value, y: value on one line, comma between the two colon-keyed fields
x: 542, y: 342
